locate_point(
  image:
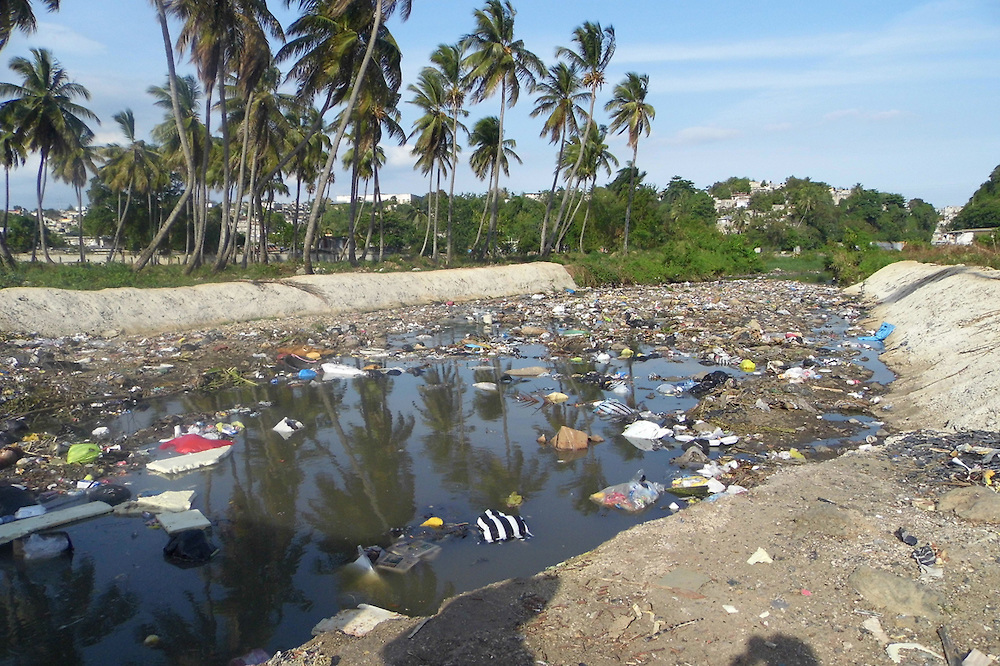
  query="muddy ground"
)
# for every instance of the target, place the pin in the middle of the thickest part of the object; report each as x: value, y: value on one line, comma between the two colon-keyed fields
x: 841, y: 585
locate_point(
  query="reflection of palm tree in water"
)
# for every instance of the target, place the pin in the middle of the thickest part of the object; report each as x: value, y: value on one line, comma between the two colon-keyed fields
x: 50, y: 610
x: 378, y: 469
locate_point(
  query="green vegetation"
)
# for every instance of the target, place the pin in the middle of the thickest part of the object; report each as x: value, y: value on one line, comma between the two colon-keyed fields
x: 983, y: 209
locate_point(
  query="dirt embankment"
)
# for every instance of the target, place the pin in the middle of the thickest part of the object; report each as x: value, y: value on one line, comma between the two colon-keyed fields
x: 57, y: 312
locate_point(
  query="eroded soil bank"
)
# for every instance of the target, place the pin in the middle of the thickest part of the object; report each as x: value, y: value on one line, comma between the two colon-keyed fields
x: 679, y: 590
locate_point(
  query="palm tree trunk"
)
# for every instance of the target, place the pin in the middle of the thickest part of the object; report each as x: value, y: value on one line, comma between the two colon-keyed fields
x: 79, y: 222
x: 40, y: 191
x: 482, y: 218
x: 185, y: 147
x: 6, y: 257
x: 381, y: 220
x: 295, y: 218
x: 586, y: 215
x: 569, y: 219
x: 254, y: 161
x: 579, y: 158
x: 352, y: 253
x: 120, y: 225
x: 494, y: 211
x: 543, y: 241
x: 227, y: 175
x: 324, y: 177
x: 631, y: 195
x: 201, y: 218
x: 427, y: 231
x: 451, y: 187
x: 437, y: 199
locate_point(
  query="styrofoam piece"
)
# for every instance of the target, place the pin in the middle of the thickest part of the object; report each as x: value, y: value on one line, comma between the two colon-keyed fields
x: 189, y: 461
x: 169, y: 501
x: 355, y: 621
x: 21, y: 528
x: 331, y: 370
x: 645, y: 430
x: 183, y: 520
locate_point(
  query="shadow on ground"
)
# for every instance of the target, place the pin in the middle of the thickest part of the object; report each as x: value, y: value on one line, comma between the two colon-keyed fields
x: 777, y: 650
x: 480, y: 627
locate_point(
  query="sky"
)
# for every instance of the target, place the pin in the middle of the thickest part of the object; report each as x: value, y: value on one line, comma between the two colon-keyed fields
x: 899, y: 96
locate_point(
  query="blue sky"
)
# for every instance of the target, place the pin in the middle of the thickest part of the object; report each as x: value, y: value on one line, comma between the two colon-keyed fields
x: 899, y: 96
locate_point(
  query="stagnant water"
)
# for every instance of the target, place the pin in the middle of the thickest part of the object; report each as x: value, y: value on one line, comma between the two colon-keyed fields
x: 376, y: 457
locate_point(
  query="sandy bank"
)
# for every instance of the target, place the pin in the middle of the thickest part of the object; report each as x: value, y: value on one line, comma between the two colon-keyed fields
x: 57, y: 312
x: 945, y: 347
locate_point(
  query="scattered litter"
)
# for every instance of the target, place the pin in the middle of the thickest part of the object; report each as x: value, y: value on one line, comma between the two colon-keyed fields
x: 894, y: 651
x: 189, y: 461
x: 881, y: 334
x: 183, y: 520
x: 760, y: 556
x: 287, y: 427
x: 729, y: 609
x: 21, y: 528
x: 42, y: 546
x: 190, y: 547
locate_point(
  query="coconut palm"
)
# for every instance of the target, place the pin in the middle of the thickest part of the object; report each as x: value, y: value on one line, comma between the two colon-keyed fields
x: 560, y: 96
x: 434, y: 135
x: 333, y: 35
x: 595, y: 47
x: 135, y: 168
x: 47, y: 118
x: 448, y: 58
x: 498, y: 62
x: 485, y: 142
x: 19, y: 15
x: 73, y: 167
x: 597, y: 158
x: 12, y: 155
x: 630, y: 112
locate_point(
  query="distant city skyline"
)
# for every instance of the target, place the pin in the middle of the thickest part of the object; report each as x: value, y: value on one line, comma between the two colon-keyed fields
x: 899, y: 96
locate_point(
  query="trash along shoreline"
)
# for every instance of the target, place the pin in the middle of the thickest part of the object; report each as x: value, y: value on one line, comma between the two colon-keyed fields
x: 884, y: 554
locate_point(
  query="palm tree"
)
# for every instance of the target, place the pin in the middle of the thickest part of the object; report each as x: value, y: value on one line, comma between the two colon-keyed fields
x: 19, y: 15
x: 12, y: 155
x: 559, y: 98
x: 331, y: 38
x: 498, y: 62
x: 597, y: 157
x: 448, y: 59
x: 629, y: 111
x: 434, y: 134
x: 47, y: 118
x: 135, y: 168
x: 72, y: 167
x: 485, y: 141
x: 595, y: 47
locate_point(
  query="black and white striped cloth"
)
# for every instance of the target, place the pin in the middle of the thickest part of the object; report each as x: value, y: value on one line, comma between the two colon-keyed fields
x: 497, y: 526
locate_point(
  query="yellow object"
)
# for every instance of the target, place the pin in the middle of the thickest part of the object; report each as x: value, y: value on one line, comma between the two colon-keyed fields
x: 556, y: 398
x: 988, y: 476
x: 432, y: 522
x: 626, y: 353
x: 795, y: 454
x: 747, y: 365
x: 314, y: 355
x: 514, y: 500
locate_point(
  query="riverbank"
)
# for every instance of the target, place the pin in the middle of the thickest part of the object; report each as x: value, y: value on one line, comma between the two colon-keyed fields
x: 677, y: 590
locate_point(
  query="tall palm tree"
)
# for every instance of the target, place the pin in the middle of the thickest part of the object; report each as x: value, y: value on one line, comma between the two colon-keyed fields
x: 485, y: 142
x: 19, y: 15
x: 560, y: 96
x: 448, y: 58
x: 630, y: 111
x: 12, y: 155
x: 73, y: 166
x: 595, y: 47
x: 133, y: 168
x: 332, y: 36
x: 47, y: 118
x: 434, y: 135
x: 497, y: 61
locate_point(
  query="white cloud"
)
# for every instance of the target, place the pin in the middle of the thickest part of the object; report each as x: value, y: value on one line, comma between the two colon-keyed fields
x: 399, y: 156
x: 65, y: 41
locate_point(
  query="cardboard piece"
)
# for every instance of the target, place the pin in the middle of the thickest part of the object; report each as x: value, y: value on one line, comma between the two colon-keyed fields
x: 569, y: 439
x: 185, y: 520
x: 22, y: 528
x: 168, y: 501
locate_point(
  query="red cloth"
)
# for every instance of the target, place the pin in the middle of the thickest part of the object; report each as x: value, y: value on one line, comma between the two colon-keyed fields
x: 192, y: 443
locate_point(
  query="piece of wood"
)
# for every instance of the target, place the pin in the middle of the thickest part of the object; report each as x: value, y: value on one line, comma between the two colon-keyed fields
x: 22, y: 528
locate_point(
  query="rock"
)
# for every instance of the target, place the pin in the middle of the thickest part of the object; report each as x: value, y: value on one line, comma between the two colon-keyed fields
x: 569, y: 439
x: 693, y: 458
x: 973, y: 503
x: 895, y: 593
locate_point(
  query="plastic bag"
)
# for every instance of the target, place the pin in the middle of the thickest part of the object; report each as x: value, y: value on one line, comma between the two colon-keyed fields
x: 634, y: 495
